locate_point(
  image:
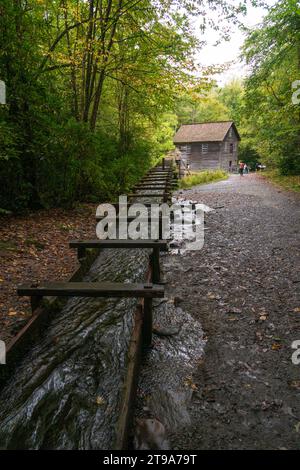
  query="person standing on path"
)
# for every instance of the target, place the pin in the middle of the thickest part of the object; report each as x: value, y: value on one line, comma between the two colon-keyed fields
x: 241, y: 168
x: 245, y: 169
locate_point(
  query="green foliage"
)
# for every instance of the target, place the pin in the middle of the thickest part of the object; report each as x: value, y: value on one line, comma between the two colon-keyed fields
x: 93, y: 104
x: 248, y: 154
x: 289, y: 182
x: 273, y: 52
x: 201, y: 107
x: 202, y: 177
x: 89, y: 102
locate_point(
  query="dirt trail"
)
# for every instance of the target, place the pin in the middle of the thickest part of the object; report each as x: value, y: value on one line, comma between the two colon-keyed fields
x: 243, y: 287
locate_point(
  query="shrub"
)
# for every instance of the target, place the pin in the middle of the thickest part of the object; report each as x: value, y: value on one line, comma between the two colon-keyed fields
x: 202, y: 177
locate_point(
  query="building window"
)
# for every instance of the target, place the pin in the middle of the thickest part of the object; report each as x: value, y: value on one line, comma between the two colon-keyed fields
x: 186, y: 148
x: 231, y: 148
x: 204, y: 148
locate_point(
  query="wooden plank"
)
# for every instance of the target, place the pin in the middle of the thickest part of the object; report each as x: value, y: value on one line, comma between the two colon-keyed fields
x: 129, y: 204
x: 160, y: 184
x: 158, y: 177
x: 159, y: 170
x: 147, y: 195
x: 124, y: 423
x: 91, y: 289
x: 159, y: 180
x: 154, y: 186
x: 160, y: 244
x: 123, y: 218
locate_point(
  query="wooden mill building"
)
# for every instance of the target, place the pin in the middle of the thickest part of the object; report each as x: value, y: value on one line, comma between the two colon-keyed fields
x: 208, y: 145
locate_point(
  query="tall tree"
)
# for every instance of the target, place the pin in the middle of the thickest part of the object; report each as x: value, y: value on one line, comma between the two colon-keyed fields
x: 273, y: 53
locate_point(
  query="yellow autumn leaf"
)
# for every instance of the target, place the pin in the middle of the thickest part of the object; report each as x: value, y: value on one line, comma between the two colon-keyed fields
x: 100, y: 400
x: 11, y: 313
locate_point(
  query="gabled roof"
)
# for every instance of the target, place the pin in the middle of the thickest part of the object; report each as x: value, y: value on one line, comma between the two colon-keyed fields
x: 204, y: 132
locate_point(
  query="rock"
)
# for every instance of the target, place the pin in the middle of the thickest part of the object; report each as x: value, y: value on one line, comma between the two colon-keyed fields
x: 150, y: 434
x: 177, y: 301
x: 234, y: 310
x: 166, y: 331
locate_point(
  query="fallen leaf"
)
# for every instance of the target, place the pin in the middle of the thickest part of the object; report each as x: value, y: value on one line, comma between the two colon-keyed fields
x: 189, y: 383
x: 276, y: 346
x: 11, y: 313
x: 297, y: 426
x: 297, y: 310
x: 100, y: 400
x: 263, y: 317
x: 295, y: 384
x: 210, y: 295
x: 234, y: 310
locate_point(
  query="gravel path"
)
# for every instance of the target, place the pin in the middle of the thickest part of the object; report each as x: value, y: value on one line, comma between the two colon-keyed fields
x: 243, y: 288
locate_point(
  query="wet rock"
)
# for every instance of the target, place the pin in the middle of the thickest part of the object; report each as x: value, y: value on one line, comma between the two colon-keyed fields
x: 178, y: 300
x: 150, y: 434
x: 166, y: 331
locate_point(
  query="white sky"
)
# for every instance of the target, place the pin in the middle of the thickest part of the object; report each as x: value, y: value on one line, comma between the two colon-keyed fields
x: 229, y: 50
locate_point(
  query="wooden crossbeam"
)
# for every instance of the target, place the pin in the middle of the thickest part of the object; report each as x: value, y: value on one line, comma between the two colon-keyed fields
x: 98, y: 289
x: 91, y: 289
x: 151, y: 187
x: 153, y: 184
x: 147, y: 195
x: 128, y: 218
x: 160, y: 183
x: 129, y: 204
x: 159, y: 179
x: 168, y: 176
x: 162, y: 244
x: 155, y: 245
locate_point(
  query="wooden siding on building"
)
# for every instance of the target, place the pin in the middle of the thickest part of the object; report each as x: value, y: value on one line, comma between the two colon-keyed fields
x: 218, y: 154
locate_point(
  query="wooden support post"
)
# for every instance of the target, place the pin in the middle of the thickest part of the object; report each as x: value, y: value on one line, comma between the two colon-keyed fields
x: 81, y: 253
x: 166, y: 196
x: 147, y: 323
x: 155, y: 265
x: 35, y: 302
x: 163, y: 163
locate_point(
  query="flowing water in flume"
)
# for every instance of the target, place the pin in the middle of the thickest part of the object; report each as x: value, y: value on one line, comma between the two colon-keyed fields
x: 65, y: 393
